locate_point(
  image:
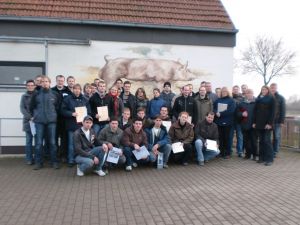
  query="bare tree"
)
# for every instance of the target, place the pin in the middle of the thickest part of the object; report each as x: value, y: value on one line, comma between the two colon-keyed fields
x: 268, y: 58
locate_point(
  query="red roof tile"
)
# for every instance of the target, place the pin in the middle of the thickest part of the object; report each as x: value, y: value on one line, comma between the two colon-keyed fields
x: 187, y: 13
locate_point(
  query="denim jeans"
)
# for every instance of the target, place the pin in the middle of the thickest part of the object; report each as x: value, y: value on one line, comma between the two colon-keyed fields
x: 202, y: 153
x: 71, y: 147
x: 85, y: 163
x: 28, y: 147
x: 98, y: 127
x: 166, y: 150
x: 46, y: 131
x: 239, y: 138
x: 265, y: 146
x: 276, y: 137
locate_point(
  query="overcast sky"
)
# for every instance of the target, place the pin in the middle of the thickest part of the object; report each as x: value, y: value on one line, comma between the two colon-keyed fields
x: 276, y: 18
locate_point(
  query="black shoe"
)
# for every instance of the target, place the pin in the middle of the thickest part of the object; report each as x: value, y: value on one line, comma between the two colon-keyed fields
x: 38, y: 166
x: 259, y: 161
x: 55, y: 166
x: 268, y: 163
x: 71, y: 165
x: 201, y: 163
x: 185, y: 164
x: 240, y: 155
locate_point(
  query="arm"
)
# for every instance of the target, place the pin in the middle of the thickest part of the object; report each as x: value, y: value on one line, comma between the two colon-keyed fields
x: 190, y: 137
x: 64, y: 110
x: 24, y: 110
x: 165, y: 139
x: 282, y: 108
x: 126, y: 139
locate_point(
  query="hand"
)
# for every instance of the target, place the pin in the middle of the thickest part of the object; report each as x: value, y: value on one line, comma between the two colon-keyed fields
x: 96, y: 160
x: 97, y: 116
x: 254, y: 125
x: 155, y: 149
x: 105, y: 148
x: 110, y: 146
x: 136, y: 147
x: 108, y: 119
x: 268, y: 127
x: 218, y: 114
x: 245, y: 114
x: 74, y: 114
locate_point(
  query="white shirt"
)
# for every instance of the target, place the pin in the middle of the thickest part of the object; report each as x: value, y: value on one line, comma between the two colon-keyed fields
x: 87, y: 133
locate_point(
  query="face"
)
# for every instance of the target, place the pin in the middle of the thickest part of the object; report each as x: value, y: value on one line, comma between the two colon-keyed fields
x: 127, y: 87
x: 208, y: 87
x: 157, y: 122
x: 60, y: 81
x: 93, y: 89
x: 202, y: 91
x: 273, y: 88
x: 71, y: 82
x: 167, y: 88
x: 119, y: 84
x: 235, y: 90
x: 264, y: 91
x: 183, y: 118
x: 88, y: 89
x: 140, y: 93
x: 244, y: 88
x: 113, y: 125
x: 191, y: 88
x: 101, y: 87
x: 30, y: 86
x: 77, y: 91
x: 114, y: 91
x: 126, y: 115
x: 209, y: 118
x: 218, y: 92
x: 141, y: 114
x: 249, y: 95
x: 186, y: 91
x: 137, y: 125
x: 96, y: 82
x: 164, y: 111
x: 156, y: 93
x: 87, y: 124
x: 45, y: 83
x: 38, y: 81
x: 224, y: 92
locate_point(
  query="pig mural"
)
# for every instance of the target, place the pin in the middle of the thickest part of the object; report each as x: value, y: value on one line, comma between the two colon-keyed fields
x: 139, y: 69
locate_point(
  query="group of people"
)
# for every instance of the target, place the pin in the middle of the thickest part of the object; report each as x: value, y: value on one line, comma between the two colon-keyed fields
x: 135, y: 123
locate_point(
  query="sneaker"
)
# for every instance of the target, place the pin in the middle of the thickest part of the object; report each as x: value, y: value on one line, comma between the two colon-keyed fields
x: 185, y: 164
x: 135, y: 165
x: 166, y: 166
x: 29, y: 163
x: 201, y: 163
x: 268, y: 163
x: 128, y: 168
x: 79, y: 172
x: 38, y: 166
x: 55, y: 166
x: 100, y: 173
x: 240, y: 155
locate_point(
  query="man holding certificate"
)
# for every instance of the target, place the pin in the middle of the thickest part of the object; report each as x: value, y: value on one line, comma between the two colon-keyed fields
x: 134, y: 139
x: 74, y: 108
x: 207, y: 138
x: 182, y: 132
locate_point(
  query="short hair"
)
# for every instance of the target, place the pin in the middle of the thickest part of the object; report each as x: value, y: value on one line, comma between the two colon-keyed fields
x: 141, y: 109
x: 94, y: 85
x: 60, y: 76
x: 249, y: 91
x: 70, y: 77
x: 210, y: 113
x: 101, y: 82
x: 164, y: 106
x: 156, y: 89
x: 203, y: 83
x: 184, y: 112
x: 96, y: 79
x: 126, y: 109
x: 77, y: 86
x: 127, y: 82
x: 46, y: 77
x: 119, y: 79
x: 114, y: 118
x: 273, y: 84
x: 236, y: 86
x: 39, y: 76
x: 29, y: 81
x: 137, y: 119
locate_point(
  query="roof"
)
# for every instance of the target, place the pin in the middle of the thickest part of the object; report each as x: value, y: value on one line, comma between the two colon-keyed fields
x: 207, y: 14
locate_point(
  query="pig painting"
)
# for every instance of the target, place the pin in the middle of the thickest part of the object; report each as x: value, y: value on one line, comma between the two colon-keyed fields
x: 135, y: 69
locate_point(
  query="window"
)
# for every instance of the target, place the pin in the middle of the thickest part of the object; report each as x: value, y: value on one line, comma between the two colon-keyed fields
x: 15, y: 74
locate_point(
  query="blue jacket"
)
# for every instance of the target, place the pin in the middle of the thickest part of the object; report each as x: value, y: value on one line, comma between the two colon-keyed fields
x: 154, y: 107
x: 248, y: 106
x: 68, y: 107
x: 226, y: 117
x: 164, y: 137
x: 44, y: 106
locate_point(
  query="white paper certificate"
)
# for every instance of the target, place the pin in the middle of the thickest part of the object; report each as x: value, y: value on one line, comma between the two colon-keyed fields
x: 189, y: 120
x: 141, y: 154
x: 211, y: 145
x: 177, y: 147
x: 167, y: 124
x: 81, y: 113
x: 103, y: 113
x: 32, y: 128
x: 222, y: 107
x: 114, y: 155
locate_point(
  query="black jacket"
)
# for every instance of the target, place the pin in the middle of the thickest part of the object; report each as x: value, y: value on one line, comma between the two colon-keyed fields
x: 82, y: 145
x: 279, y: 108
x: 25, y: 110
x: 248, y: 106
x: 205, y: 130
x: 131, y: 103
x: 96, y: 101
x: 264, y: 111
x: 186, y: 104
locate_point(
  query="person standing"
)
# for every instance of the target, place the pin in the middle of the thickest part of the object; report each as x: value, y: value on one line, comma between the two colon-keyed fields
x: 25, y: 110
x: 141, y: 99
x: 203, y: 104
x: 155, y: 104
x: 43, y: 108
x: 212, y: 96
x: 117, y: 104
x: 263, y: 122
x: 279, y: 117
x: 168, y: 96
x: 128, y: 99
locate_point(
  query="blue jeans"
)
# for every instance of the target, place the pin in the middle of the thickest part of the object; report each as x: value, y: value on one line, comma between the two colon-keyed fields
x: 166, y: 150
x: 98, y: 127
x: 71, y: 147
x: 202, y: 153
x: 239, y: 138
x: 49, y: 131
x: 276, y: 137
x: 85, y: 163
x: 265, y: 146
x: 28, y: 146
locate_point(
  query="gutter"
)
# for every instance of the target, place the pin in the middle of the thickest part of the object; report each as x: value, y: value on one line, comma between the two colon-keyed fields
x: 117, y: 24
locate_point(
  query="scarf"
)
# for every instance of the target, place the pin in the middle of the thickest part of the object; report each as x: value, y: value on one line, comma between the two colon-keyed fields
x: 115, y: 104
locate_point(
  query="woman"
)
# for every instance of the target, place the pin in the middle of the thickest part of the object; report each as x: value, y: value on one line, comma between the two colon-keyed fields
x: 224, y: 108
x: 118, y: 106
x: 263, y: 118
x: 87, y: 91
x: 141, y: 99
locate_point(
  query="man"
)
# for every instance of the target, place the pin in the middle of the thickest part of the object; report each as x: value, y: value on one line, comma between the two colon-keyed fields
x: 133, y: 139
x: 236, y: 128
x: 60, y: 87
x: 125, y: 120
x: 119, y: 84
x: 96, y: 81
x: 212, y: 96
x: 141, y: 113
x: 24, y: 108
x: 128, y: 98
x: 93, y: 88
x: 205, y: 130
x: 164, y: 113
x: 99, y: 99
x: 43, y: 108
x: 167, y: 95
x: 110, y: 137
x: 89, y: 153
x: 203, y: 104
x: 70, y: 83
x: 279, y: 117
x: 155, y: 104
x: 158, y: 141
x: 182, y: 131
x: 192, y: 93
x: 38, y: 82
x: 185, y: 103
x: 244, y: 88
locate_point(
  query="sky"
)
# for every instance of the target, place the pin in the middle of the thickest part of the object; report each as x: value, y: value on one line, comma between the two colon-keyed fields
x: 273, y: 18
